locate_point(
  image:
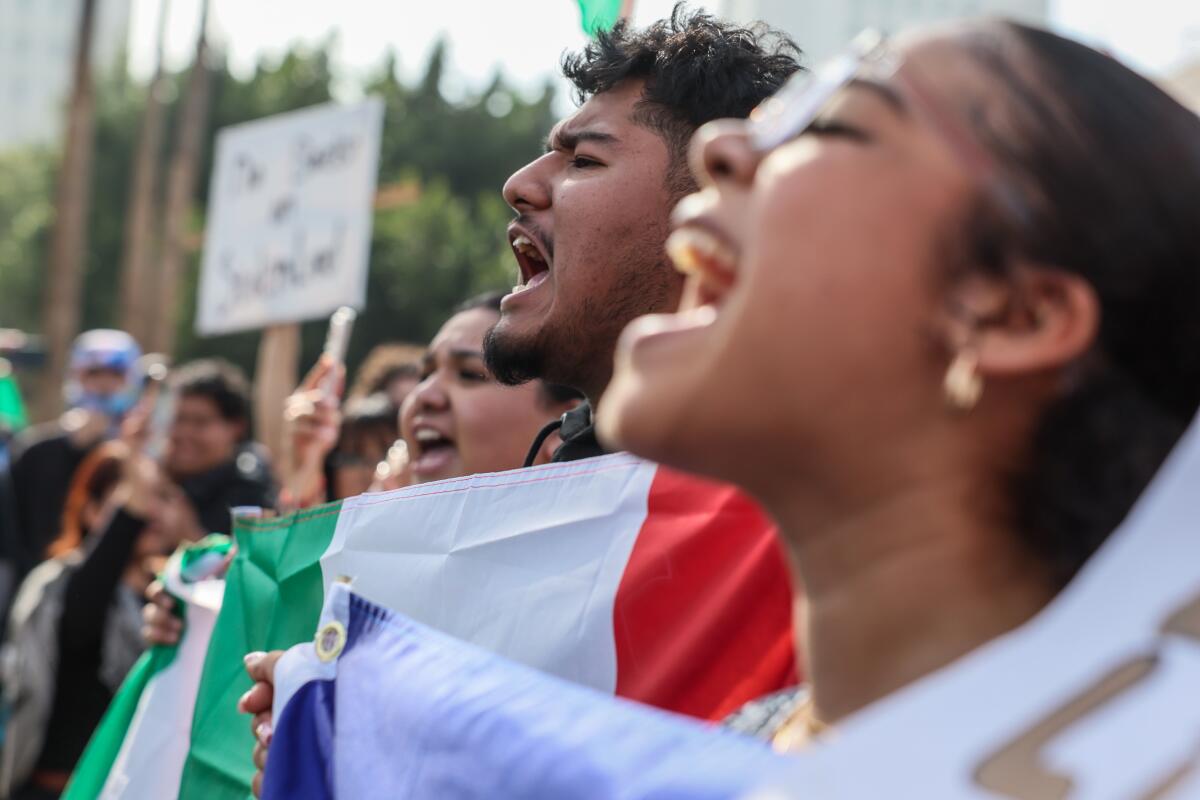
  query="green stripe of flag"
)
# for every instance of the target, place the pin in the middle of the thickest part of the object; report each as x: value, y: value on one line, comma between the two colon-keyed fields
x: 599, y: 15
x: 273, y: 598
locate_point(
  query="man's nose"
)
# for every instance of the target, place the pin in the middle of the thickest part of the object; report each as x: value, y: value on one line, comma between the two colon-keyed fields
x: 528, y: 189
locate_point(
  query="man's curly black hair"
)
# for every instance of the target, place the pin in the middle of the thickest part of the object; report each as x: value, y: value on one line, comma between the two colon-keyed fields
x: 696, y: 67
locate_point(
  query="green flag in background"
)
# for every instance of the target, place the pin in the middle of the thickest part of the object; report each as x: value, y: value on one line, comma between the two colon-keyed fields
x: 599, y: 15
x: 12, y: 409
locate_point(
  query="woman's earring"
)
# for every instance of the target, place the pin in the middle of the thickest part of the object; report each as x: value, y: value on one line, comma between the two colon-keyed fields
x: 963, y: 385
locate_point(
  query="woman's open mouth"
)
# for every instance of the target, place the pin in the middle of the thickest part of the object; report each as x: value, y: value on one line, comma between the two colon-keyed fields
x: 709, y: 261
x: 706, y: 259
x: 433, y: 452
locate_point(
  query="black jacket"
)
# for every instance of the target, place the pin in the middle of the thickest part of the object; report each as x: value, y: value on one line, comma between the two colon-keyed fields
x: 43, y: 464
x: 244, y: 481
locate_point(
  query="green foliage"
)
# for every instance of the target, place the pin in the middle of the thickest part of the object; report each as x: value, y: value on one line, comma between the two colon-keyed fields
x: 425, y: 257
x: 26, y: 212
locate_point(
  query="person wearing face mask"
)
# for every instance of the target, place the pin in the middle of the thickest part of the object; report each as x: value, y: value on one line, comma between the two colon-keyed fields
x: 75, y: 627
x: 968, y: 290
x: 102, y: 385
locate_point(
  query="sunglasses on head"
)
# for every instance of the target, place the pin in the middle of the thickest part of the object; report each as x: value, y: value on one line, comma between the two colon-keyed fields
x: 871, y: 60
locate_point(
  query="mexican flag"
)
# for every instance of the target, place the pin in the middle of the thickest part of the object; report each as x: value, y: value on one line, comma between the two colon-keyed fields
x: 611, y: 572
x: 1094, y: 697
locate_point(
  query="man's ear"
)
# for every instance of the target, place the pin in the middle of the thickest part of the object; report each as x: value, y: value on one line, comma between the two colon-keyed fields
x: 1042, y: 320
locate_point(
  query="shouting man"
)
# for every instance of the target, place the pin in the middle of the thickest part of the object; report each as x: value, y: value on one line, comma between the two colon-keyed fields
x: 592, y: 211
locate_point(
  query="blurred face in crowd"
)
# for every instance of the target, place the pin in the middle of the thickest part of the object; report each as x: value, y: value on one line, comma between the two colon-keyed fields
x: 459, y: 420
x: 401, y: 387
x: 819, y: 273
x: 164, y: 523
x: 102, y: 382
x: 200, y: 438
x: 591, y: 218
x: 161, y: 533
x: 356, y: 457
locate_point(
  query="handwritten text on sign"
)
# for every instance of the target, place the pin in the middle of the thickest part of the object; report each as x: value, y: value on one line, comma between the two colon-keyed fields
x: 289, y: 222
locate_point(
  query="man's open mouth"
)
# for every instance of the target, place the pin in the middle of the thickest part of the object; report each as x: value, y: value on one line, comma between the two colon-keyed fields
x: 532, y: 261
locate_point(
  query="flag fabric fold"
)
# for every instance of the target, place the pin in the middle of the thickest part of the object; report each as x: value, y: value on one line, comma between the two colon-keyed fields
x: 271, y: 591
x: 611, y: 572
x: 417, y: 714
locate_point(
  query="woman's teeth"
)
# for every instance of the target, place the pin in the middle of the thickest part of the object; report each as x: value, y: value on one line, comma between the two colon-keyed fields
x: 693, y: 251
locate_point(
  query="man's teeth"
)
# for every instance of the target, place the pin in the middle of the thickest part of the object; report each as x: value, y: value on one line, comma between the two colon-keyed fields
x: 690, y: 248
x: 524, y: 245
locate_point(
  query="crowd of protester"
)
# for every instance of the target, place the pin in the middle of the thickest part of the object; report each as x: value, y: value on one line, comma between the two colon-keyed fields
x: 941, y: 322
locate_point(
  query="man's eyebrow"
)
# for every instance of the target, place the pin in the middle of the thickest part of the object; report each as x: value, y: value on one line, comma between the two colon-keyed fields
x: 569, y: 140
x: 885, y: 92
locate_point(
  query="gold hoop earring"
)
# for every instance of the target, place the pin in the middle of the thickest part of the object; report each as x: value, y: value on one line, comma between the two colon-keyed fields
x: 963, y: 385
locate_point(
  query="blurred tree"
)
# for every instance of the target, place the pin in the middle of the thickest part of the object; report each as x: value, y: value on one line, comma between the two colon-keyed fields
x: 26, y: 212
x: 425, y: 257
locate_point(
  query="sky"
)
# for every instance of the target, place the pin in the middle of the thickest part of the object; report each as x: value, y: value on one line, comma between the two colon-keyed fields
x: 525, y: 38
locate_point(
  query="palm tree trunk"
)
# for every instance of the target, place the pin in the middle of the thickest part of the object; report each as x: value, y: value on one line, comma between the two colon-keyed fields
x: 181, y: 183
x: 136, y: 289
x: 64, y: 278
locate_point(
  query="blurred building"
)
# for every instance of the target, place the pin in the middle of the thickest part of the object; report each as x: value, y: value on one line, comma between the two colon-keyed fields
x: 37, y: 43
x: 823, y: 27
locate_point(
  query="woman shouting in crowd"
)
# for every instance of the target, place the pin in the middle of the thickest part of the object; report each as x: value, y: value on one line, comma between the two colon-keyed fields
x: 967, y: 283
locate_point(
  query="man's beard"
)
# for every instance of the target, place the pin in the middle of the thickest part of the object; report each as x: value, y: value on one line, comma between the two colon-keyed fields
x: 571, y: 353
x: 514, y: 360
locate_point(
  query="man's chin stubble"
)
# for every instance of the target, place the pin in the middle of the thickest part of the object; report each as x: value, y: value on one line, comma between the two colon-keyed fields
x: 512, y: 360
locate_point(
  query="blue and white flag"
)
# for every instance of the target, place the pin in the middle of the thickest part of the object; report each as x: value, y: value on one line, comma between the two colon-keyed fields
x: 382, y: 706
x: 1097, y: 697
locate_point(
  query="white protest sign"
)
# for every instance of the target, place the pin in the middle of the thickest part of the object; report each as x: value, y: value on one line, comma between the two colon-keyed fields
x: 289, y: 223
x: 1096, y: 697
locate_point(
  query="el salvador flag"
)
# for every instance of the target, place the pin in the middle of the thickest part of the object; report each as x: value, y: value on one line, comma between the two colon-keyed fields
x: 384, y: 707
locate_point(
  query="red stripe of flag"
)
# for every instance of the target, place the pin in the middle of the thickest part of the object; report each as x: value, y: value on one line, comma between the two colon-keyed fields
x: 703, y: 614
